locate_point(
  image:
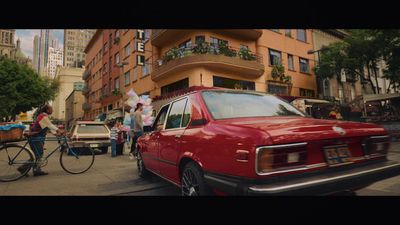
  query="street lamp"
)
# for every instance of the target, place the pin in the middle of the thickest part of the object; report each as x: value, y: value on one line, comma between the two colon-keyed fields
x: 121, y: 65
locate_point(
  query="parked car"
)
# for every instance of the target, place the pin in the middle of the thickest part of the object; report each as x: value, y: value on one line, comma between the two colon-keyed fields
x: 90, y: 133
x: 244, y: 143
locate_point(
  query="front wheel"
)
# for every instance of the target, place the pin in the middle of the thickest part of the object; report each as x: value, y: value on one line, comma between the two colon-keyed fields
x: 192, y: 181
x: 142, y: 171
x: 15, y: 162
x: 77, y: 160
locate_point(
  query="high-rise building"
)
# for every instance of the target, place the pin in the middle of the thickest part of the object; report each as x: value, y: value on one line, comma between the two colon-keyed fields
x: 45, y: 39
x: 55, y: 59
x: 7, y: 44
x: 75, y: 41
x: 36, y: 53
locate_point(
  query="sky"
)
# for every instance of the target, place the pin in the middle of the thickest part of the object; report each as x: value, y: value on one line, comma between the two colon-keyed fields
x: 26, y: 37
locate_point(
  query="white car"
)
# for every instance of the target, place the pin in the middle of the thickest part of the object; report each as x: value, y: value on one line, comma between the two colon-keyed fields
x: 91, y: 134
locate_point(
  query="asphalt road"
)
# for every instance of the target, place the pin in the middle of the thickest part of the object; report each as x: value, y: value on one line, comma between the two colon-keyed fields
x: 118, y: 176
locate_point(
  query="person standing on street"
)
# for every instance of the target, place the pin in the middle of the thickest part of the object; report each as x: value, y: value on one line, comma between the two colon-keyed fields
x: 113, y: 137
x: 137, y: 128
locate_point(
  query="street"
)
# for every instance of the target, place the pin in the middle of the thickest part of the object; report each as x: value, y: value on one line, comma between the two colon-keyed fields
x: 118, y: 176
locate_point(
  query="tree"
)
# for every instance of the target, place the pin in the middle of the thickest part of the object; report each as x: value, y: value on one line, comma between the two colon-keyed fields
x: 22, y: 89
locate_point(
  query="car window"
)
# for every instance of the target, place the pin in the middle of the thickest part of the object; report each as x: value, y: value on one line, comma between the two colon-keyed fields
x: 92, y: 129
x: 175, y: 115
x: 187, y: 114
x: 230, y: 104
x: 159, y: 122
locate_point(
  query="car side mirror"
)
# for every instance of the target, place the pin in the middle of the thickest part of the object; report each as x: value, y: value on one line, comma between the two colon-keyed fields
x: 147, y: 129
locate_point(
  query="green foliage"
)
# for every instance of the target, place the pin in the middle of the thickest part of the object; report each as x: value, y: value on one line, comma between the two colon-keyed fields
x: 172, y: 54
x: 202, y: 48
x: 245, y: 54
x: 225, y: 50
x: 116, y: 92
x: 21, y: 89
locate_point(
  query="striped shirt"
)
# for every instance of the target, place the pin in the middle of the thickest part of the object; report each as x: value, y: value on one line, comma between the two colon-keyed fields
x: 114, y: 133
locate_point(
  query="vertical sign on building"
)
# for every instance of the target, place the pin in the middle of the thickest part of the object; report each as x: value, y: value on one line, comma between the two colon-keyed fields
x: 140, y: 47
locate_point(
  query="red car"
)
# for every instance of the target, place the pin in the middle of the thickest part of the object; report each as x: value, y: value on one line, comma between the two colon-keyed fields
x: 220, y: 141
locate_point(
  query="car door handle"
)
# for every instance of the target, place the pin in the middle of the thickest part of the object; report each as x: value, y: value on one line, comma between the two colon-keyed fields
x: 178, y: 136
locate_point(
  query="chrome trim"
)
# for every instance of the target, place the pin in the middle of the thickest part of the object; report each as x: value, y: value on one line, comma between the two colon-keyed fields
x: 383, y: 136
x: 307, y: 183
x: 281, y: 170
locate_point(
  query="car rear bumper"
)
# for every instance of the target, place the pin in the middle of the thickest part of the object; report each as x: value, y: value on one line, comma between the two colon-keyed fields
x: 318, y: 183
x: 92, y: 144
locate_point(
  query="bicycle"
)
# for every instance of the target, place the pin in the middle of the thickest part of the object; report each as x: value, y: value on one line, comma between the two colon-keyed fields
x: 13, y: 156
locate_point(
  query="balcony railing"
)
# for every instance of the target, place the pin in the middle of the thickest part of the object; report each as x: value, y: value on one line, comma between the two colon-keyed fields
x: 86, y: 74
x: 205, y: 48
x: 86, y: 106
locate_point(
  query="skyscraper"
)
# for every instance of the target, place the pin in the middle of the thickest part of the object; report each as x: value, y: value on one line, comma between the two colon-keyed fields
x: 55, y: 58
x: 36, y: 53
x: 45, y: 39
x: 75, y: 41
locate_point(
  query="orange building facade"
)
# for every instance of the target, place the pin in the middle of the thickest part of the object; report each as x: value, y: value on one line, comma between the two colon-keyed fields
x: 178, y: 59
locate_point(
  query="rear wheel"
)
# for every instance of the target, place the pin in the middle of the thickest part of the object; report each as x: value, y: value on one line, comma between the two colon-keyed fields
x: 192, y: 181
x: 15, y: 162
x: 77, y: 160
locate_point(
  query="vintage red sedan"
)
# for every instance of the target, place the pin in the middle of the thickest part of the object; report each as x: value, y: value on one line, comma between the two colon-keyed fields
x: 245, y: 143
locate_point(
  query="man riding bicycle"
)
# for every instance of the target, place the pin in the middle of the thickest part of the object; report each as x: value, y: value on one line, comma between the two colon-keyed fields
x: 39, y: 131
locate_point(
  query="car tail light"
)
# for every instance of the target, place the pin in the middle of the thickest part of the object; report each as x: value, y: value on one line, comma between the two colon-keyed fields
x: 276, y: 157
x: 376, y: 145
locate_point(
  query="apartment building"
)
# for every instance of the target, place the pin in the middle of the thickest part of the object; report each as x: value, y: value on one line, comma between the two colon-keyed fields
x: 177, y: 59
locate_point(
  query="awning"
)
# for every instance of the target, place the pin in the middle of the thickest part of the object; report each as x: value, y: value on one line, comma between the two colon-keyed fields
x: 378, y: 97
x: 113, y: 114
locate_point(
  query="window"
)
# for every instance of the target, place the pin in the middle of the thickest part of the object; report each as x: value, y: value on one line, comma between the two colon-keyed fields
x: 301, y: 35
x: 306, y: 92
x: 105, y: 48
x: 105, y: 90
x: 224, y: 105
x: 117, y: 58
x: 275, y: 57
x: 146, y: 34
x: 277, y: 89
x: 134, y: 77
x: 200, y: 39
x: 116, y: 33
x: 275, y: 30
x: 186, y: 44
x: 146, y: 70
x: 127, y: 50
x: 110, y: 40
x: 179, y: 85
x: 288, y: 32
x: 290, y: 62
x: 159, y: 122
x: 127, y: 78
x: 116, y: 83
x: 187, y: 114
x: 233, y: 84
x: 174, y: 119
x: 109, y: 64
x: 304, y: 67
x: 216, y: 41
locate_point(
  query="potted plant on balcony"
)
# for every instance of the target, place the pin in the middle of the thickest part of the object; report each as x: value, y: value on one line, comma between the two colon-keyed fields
x: 225, y: 50
x: 245, y: 54
x: 278, y: 71
x: 202, y: 48
x: 172, y: 54
x: 116, y: 92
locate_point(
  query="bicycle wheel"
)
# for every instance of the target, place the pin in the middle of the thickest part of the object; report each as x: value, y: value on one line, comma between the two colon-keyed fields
x: 15, y: 162
x: 77, y: 160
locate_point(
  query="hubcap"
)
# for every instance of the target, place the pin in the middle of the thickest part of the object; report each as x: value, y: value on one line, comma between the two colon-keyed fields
x: 190, y: 186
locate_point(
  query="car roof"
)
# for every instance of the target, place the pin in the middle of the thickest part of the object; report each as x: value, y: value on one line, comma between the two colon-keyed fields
x: 89, y: 122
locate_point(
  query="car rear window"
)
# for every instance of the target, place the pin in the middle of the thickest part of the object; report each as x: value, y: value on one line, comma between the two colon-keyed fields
x: 92, y: 129
x: 231, y: 104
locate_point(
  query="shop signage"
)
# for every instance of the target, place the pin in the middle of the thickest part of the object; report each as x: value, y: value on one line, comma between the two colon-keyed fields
x: 140, y: 47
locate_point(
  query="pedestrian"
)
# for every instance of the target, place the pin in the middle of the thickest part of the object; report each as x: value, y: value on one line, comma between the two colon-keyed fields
x: 137, y: 128
x: 120, y: 139
x: 37, y: 133
x: 113, y: 138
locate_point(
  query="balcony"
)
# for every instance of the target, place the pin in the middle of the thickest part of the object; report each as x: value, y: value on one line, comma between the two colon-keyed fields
x: 86, y: 106
x: 85, y: 91
x: 162, y: 37
x: 86, y: 74
x: 241, y: 61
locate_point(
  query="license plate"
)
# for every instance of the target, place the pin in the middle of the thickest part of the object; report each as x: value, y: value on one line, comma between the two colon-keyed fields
x: 94, y: 145
x: 337, y: 155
